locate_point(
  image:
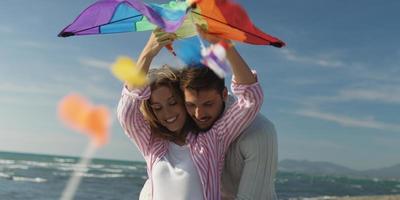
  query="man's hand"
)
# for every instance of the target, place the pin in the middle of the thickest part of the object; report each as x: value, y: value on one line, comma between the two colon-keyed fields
x: 211, y: 38
x: 240, y: 69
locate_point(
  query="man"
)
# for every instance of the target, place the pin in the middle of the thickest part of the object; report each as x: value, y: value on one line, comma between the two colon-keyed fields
x: 251, y: 161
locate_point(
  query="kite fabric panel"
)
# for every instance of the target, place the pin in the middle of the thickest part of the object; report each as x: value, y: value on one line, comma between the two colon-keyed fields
x: 229, y: 20
x: 117, y: 16
x: 220, y: 17
x: 188, y: 50
x: 223, y: 18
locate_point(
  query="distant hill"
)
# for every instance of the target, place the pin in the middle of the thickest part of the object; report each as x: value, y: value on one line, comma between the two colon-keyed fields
x: 386, y: 172
x: 327, y: 168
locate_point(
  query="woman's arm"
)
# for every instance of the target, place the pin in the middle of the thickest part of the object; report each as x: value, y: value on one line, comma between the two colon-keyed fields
x: 156, y: 42
x: 132, y: 120
x: 129, y: 114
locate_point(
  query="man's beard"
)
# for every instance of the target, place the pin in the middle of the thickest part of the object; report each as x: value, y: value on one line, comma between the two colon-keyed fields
x: 219, y: 116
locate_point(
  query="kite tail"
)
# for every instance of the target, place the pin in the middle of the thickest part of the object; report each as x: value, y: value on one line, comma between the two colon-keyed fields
x: 74, y: 181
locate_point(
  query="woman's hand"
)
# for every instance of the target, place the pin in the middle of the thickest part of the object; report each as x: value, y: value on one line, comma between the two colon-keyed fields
x: 157, y: 41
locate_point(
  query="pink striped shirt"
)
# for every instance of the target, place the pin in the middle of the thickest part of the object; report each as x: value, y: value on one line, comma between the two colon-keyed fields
x: 207, y: 149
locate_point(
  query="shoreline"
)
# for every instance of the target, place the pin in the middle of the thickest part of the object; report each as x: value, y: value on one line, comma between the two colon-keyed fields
x: 372, y: 197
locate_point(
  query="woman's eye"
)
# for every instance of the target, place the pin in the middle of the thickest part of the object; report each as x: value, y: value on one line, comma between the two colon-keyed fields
x: 156, y: 108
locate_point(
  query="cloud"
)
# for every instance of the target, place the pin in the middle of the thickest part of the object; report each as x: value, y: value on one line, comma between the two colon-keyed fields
x: 96, y: 63
x: 31, y: 44
x: 55, y: 90
x: 385, y: 96
x: 312, y: 60
x: 349, y: 121
x: 31, y: 89
x: 388, y: 94
x: 6, y: 29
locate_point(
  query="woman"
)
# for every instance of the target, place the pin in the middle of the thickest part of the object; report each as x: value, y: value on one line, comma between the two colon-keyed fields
x: 182, y: 163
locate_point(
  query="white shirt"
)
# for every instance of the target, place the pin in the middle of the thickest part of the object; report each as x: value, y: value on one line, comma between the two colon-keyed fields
x: 175, y: 177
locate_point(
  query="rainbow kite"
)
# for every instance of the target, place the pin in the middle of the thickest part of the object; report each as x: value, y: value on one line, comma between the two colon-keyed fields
x: 221, y: 17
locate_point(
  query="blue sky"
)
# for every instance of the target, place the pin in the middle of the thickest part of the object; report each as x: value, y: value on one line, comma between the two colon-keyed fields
x: 333, y: 92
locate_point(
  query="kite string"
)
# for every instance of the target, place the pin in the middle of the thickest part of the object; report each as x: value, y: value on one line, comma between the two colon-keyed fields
x: 195, y: 28
x: 75, y: 179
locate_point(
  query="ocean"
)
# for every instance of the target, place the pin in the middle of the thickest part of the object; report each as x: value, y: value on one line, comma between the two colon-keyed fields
x: 43, y: 177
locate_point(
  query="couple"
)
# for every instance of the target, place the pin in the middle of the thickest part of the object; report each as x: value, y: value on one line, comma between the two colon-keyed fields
x: 198, y: 143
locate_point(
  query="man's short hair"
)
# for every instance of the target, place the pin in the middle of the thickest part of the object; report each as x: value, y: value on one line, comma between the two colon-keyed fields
x: 201, y: 78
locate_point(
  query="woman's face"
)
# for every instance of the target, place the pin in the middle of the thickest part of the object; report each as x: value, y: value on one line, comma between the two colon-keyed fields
x: 168, y: 109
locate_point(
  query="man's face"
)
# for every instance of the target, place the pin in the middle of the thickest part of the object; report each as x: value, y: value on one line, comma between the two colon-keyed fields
x: 204, y: 106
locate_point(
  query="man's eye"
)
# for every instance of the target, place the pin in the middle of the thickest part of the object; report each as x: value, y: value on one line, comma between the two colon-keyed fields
x: 208, y: 104
x: 172, y: 102
x: 189, y: 105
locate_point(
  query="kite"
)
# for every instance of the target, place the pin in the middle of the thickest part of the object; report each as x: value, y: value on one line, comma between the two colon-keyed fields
x: 223, y: 18
x: 77, y: 113
x: 125, y: 70
x: 215, y: 58
x: 117, y: 16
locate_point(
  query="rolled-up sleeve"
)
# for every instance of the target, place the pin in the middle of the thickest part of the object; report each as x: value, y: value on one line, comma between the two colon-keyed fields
x: 132, y: 119
x: 239, y: 115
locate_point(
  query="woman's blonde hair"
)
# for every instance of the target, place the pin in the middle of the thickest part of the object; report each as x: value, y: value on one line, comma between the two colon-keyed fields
x: 167, y: 77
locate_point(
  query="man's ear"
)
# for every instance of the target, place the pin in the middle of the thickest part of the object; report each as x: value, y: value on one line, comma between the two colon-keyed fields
x: 225, y: 94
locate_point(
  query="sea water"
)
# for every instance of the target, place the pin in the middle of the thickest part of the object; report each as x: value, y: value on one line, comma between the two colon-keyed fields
x: 43, y: 177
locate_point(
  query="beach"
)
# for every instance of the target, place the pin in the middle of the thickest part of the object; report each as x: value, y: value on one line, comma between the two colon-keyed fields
x: 383, y: 197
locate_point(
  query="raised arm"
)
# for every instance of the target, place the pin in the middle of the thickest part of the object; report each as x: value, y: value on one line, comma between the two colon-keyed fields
x: 158, y: 39
x: 241, y: 113
x: 240, y: 69
x: 132, y: 120
x: 247, y: 90
x: 129, y: 114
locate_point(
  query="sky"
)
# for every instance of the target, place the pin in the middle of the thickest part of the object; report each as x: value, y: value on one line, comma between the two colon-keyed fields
x: 333, y: 92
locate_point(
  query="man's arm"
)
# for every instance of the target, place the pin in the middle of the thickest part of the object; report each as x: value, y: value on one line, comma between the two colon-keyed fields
x: 240, y: 70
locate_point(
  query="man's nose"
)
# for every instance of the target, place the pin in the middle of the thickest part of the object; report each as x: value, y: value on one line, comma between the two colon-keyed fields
x: 199, y: 113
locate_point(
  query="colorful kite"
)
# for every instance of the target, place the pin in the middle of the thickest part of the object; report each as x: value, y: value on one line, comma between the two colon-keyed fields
x: 215, y: 58
x: 77, y: 113
x: 117, y: 16
x: 223, y: 18
x: 126, y: 71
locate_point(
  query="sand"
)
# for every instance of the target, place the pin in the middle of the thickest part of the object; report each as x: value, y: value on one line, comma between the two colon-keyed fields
x: 383, y: 197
